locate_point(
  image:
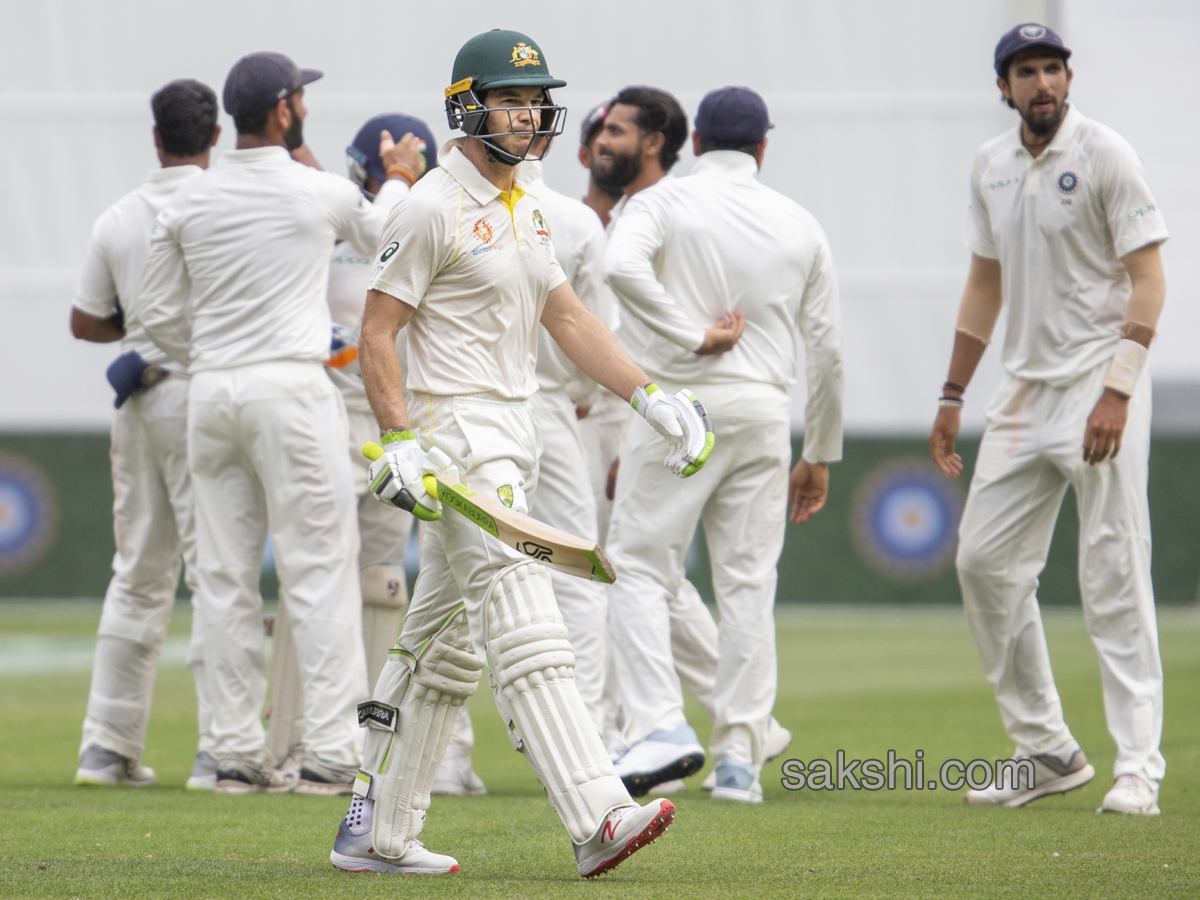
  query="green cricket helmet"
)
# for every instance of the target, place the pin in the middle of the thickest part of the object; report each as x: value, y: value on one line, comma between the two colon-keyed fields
x: 502, y: 59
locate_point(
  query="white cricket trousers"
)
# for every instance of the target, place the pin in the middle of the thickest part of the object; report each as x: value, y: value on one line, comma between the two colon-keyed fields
x: 1031, y: 451
x: 155, y: 532
x: 267, y: 446
x: 564, y: 500
x: 741, y: 496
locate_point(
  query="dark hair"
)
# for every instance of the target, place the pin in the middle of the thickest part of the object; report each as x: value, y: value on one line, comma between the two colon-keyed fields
x: 706, y: 146
x: 185, y: 113
x: 657, y: 111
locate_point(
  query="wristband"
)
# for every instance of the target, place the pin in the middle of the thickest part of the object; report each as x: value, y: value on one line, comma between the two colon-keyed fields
x: 403, y: 172
x: 1126, y: 367
x: 641, y: 395
x: 954, y: 387
x: 396, y: 435
x: 956, y: 402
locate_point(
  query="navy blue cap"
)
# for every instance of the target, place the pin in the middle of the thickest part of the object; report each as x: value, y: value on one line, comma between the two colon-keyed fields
x: 365, y: 149
x: 1022, y: 37
x: 258, y: 81
x: 592, y: 122
x: 734, y: 116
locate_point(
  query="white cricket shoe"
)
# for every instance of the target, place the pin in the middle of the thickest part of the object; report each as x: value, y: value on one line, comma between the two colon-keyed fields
x: 99, y: 767
x: 675, y: 786
x: 236, y: 775
x: 354, y: 851
x: 456, y: 778
x: 1051, y: 775
x: 1132, y: 795
x: 737, y: 780
x: 778, y: 740
x: 204, y: 773
x: 624, y: 831
x: 660, y: 756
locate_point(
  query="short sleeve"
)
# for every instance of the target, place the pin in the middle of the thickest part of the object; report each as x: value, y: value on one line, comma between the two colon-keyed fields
x: 354, y: 218
x: 416, y: 245
x: 96, y: 292
x: 1133, y: 216
x: 978, y: 232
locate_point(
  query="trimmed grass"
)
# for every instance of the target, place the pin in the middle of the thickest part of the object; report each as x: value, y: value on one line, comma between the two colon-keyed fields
x: 864, y: 680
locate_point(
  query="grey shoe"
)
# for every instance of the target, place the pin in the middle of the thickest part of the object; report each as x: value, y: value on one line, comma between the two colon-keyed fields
x: 204, y: 773
x: 99, y: 767
x: 455, y: 777
x: 323, y: 778
x: 236, y: 775
x: 1051, y: 775
x: 737, y: 780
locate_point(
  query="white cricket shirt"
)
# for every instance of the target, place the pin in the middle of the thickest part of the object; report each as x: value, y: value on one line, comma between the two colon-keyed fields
x: 243, y: 253
x: 687, y: 251
x: 116, y: 256
x: 1059, y: 225
x: 578, y: 238
x: 476, y: 265
x: 349, y: 272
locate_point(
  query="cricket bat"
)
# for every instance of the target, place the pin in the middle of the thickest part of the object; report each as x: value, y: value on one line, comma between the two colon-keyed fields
x: 525, y: 534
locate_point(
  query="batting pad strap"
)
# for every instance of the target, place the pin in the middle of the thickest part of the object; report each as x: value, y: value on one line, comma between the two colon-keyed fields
x: 363, y: 783
x: 376, y: 714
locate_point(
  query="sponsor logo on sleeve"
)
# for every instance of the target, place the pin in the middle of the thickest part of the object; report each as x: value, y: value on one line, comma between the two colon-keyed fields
x: 390, y: 251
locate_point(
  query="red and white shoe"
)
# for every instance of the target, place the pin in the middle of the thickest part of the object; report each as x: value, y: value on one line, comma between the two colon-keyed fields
x: 623, y: 832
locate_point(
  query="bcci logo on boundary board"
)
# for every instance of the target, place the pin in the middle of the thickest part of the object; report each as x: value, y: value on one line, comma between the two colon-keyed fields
x: 28, y: 514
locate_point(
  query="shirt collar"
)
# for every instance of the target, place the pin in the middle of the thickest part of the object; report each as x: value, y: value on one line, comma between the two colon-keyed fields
x: 731, y: 163
x: 464, y: 172
x: 273, y: 155
x: 1062, y: 137
x: 170, y: 175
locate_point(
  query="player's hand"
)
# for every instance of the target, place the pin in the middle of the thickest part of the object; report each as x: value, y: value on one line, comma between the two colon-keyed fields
x: 1105, y: 426
x: 807, y: 489
x: 724, y: 334
x: 409, y: 152
x: 397, y: 475
x: 682, y: 420
x: 941, y: 440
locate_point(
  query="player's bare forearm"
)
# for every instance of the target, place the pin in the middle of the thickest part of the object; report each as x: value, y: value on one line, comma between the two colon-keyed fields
x: 87, y: 327
x: 590, y: 345
x: 383, y: 318
x: 1145, y: 269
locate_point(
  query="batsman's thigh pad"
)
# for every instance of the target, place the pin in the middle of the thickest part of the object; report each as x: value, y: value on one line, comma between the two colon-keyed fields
x: 409, y: 723
x: 533, y: 676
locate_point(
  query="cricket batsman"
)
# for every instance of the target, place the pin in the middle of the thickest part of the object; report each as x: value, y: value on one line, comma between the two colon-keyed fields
x: 1064, y: 229
x: 466, y: 263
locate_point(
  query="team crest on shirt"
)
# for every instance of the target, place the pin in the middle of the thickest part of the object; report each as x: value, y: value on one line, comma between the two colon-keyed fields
x: 542, y: 229
x: 505, y: 493
x: 1068, y: 181
x: 524, y: 55
x: 1033, y: 32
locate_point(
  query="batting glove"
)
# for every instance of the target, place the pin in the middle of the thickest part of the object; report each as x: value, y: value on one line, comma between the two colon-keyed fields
x: 682, y: 420
x: 397, y: 475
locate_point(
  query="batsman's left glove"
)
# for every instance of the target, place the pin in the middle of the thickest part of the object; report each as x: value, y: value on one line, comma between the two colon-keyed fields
x: 683, y: 421
x: 399, y: 474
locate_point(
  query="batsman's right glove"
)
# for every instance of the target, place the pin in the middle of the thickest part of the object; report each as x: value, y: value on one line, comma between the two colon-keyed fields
x: 396, y: 476
x: 683, y: 421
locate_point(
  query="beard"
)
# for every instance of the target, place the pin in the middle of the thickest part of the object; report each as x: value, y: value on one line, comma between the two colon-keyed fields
x: 614, y: 174
x: 293, y: 139
x: 1048, y: 125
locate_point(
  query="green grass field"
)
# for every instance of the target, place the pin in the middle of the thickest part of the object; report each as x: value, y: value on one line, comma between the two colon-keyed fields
x: 865, y: 681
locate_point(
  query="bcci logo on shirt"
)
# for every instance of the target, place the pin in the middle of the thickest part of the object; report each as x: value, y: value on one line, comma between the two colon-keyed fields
x: 1067, y: 182
x: 524, y: 55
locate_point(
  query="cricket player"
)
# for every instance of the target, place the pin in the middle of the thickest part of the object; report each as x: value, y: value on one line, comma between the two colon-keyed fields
x: 718, y: 245
x: 467, y: 266
x: 1064, y: 228
x: 630, y: 144
x: 235, y: 287
x: 153, y: 517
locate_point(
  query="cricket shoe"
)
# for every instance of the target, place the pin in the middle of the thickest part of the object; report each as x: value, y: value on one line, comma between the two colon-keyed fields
x: 204, y: 773
x: 106, y: 768
x: 236, y: 775
x: 675, y: 786
x: 319, y: 777
x: 1051, y: 775
x: 1132, y: 795
x: 354, y: 850
x: 456, y: 778
x: 624, y: 831
x: 660, y: 756
x: 737, y: 780
x: 778, y: 740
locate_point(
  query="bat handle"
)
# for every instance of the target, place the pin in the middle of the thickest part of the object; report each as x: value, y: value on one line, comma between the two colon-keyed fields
x: 373, y: 451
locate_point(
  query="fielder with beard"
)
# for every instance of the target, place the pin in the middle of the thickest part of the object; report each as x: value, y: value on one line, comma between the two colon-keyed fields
x: 1063, y: 228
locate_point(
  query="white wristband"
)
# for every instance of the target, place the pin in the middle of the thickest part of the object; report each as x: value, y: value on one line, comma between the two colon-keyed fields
x: 1126, y: 367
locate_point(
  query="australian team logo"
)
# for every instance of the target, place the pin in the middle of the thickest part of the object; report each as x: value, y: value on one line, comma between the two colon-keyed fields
x: 539, y: 224
x: 1033, y: 32
x: 1067, y: 182
x: 524, y: 55
x: 505, y: 493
